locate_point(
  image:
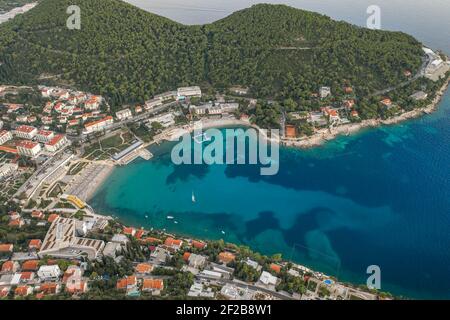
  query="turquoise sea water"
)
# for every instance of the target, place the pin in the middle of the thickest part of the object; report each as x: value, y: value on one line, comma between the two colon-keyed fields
x: 379, y: 197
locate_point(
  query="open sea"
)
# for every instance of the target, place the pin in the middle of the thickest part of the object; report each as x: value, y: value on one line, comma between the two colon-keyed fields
x: 380, y: 197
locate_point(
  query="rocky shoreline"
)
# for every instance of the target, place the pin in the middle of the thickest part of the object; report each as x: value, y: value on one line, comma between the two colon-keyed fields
x: 324, y: 135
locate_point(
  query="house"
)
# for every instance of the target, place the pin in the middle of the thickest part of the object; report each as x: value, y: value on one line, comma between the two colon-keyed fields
x: 154, y: 286
x: 56, y: 143
x: 124, y: 114
x: 267, y: 279
x: 9, y: 267
x: 5, y: 136
x: 144, y: 268
x: 198, y: 244
x: 195, y: 260
x: 197, y: 290
x: 139, y: 233
x: 28, y: 148
x: 74, y: 281
x: 34, y: 244
x: 138, y: 109
x: 419, y: 95
x: 23, y: 291
x: 348, y: 90
x: 120, y: 238
x: 275, y: 267
x: 233, y: 292
x: 16, y: 223
x: 26, y: 276
x: 173, y: 243
x: 150, y: 104
x: 129, y: 231
x: 348, y: 104
x: 44, y: 136
x: 226, y: 257
x: 291, y: 132
x: 93, y: 103
x: 354, y: 114
x: 30, y: 265
x: 333, y: 115
x: 184, y: 92
x: 111, y: 249
x: 49, y: 288
x: 4, y: 291
x: 36, y: 214
x: 324, y: 92
x: 98, y: 125
x: 25, y: 132
x: 255, y: 265
x: 386, y: 102
x: 8, y: 169
x: 128, y: 283
x: 49, y: 272
x: 239, y: 90
x: 6, y: 247
x: 52, y: 217
x: 407, y: 73
x: 159, y: 255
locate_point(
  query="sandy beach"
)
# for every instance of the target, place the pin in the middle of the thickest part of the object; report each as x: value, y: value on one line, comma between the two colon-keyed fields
x: 88, y: 180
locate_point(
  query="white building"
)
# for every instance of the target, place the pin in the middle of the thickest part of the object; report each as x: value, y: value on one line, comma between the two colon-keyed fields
x: 152, y: 103
x: 166, y: 120
x: 166, y: 95
x: 196, y: 260
x: 8, y: 169
x: 5, y: 136
x: 200, y: 110
x: 98, y: 125
x: 49, y: 272
x: 28, y: 148
x: 229, y: 107
x: 185, y: 92
x: 124, y: 114
x: 419, y: 95
x: 25, y: 132
x: 325, y: 92
x: 56, y: 143
x: 44, y: 135
x: 93, y: 103
x: 268, y: 279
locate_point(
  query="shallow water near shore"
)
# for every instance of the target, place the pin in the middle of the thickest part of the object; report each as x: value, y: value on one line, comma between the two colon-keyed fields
x: 380, y: 197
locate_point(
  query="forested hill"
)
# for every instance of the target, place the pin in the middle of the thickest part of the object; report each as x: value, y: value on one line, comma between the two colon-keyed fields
x: 129, y: 54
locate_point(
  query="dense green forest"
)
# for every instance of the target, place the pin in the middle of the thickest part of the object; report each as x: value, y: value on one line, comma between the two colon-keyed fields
x: 129, y: 55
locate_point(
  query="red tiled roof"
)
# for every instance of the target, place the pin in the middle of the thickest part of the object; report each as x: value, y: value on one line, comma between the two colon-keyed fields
x: 198, y: 244
x: 30, y: 265
x: 26, y: 144
x: 25, y: 128
x: 275, y: 267
x: 21, y: 291
x: 226, y: 257
x: 8, y: 266
x: 6, y: 247
x: 186, y: 256
x: 52, y: 217
x: 144, y: 268
x: 173, y: 242
x: 55, y: 139
x: 35, y: 243
x: 156, y: 284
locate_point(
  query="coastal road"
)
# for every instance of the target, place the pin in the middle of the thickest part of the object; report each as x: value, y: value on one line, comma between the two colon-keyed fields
x: 420, y: 73
x: 248, y: 286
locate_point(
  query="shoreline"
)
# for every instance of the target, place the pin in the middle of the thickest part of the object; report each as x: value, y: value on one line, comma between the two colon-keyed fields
x: 324, y: 135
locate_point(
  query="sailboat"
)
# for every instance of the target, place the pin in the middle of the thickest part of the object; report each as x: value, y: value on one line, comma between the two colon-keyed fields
x: 193, y: 197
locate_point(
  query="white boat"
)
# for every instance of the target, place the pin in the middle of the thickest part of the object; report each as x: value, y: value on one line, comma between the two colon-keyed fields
x: 169, y: 217
x: 146, y: 217
x: 193, y: 196
x: 223, y: 232
x: 176, y: 222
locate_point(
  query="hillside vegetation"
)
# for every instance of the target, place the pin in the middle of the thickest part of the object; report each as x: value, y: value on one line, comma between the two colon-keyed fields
x: 129, y: 55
